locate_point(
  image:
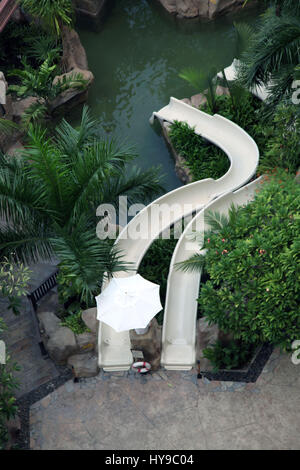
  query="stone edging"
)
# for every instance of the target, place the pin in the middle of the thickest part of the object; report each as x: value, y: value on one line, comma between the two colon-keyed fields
x: 250, y: 374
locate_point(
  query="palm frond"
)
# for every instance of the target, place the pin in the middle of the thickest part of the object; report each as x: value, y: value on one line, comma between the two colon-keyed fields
x: 21, y: 200
x: 35, y: 113
x: 84, y: 258
x: 8, y: 127
x: 194, y: 264
x: 215, y: 220
x: 194, y: 77
x: 70, y: 140
x: 48, y: 170
x: 276, y: 45
x: 244, y: 37
x: 97, y: 174
x: 28, y: 245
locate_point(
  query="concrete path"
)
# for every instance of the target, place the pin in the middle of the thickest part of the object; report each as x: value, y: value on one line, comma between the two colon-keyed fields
x: 172, y: 410
x: 22, y: 342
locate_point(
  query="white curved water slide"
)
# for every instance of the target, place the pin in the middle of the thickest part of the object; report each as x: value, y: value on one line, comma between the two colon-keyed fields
x: 231, y: 74
x: 179, y: 330
x: 134, y: 240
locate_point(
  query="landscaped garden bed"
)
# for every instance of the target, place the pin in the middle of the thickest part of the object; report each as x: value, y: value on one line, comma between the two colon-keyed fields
x: 249, y: 373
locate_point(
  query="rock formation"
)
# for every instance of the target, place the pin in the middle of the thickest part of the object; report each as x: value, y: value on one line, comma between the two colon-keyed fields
x: 93, y: 8
x: 201, y: 8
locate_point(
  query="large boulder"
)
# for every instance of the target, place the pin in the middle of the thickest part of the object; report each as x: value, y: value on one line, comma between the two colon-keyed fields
x: 201, y: 8
x: 89, y: 317
x: 86, y: 342
x: 149, y: 344
x: 182, y: 171
x: 73, y: 96
x: 49, y: 323
x: 84, y: 365
x: 20, y: 105
x: 92, y: 8
x: 74, y: 55
x: 62, y: 345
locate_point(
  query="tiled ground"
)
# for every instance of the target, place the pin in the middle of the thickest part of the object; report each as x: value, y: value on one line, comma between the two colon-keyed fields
x: 22, y: 342
x: 172, y: 410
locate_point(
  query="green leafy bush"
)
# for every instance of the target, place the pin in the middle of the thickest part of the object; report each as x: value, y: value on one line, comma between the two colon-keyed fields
x: 28, y: 42
x: 204, y: 159
x: 282, y: 149
x: 75, y: 323
x: 155, y: 266
x: 233, y: 355
x: 8, y: 385
x: 253, y: 266
x: 14, y: 281
x: 52, y: 14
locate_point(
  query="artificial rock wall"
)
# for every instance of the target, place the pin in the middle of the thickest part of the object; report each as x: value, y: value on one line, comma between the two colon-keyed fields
x: 201, y: 8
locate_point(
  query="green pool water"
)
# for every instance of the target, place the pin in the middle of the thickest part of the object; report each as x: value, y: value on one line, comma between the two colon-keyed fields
x: 136, y: 58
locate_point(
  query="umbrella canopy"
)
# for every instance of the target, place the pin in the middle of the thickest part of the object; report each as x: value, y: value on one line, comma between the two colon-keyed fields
x: 128, y: 302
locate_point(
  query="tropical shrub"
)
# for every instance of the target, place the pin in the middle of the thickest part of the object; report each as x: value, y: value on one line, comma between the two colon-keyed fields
x: 273, y: 55
x: 53, y: 13
x: 14, y: 281
x: 75, y: 323
x: 282, y: 138
x: 8, y: 385
x: 155, y: 266
x: 49, y: 196
x: 8, y: 407
x: 253, y: 264
x: 40, y: 83
x: 230, y: 355
x: 204, y: 159
x: 27, y: 42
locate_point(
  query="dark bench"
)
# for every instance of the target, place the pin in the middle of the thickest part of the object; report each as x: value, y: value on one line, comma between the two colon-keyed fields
x: 34, y: 297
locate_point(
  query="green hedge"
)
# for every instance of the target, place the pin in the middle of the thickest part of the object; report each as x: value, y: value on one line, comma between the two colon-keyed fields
x: 253, y: 267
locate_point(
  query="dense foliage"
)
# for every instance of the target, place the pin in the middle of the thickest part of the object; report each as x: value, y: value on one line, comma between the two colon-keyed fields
x: 8, y: 407
x: 50, y: 193
x: 8, y: 385
x: 273, y: 56
x: 14, y: 281
x: 53, y: 13
x: 204, y: 159
x: 230, y: 355
x: 277, y: 139
x: 41, y: 83
x: 27, y: 42
x: 155, y: 266
x: 253, y: 266
x: 74, y: 322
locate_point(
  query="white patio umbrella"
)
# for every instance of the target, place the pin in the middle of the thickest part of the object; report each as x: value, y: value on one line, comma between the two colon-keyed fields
x: 128, y: 303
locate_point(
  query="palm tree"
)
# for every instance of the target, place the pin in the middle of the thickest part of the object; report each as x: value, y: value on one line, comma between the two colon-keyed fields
x: 49, y: 195
x: 54, y: 13
x: 198, y: 79
x: 274, y: 53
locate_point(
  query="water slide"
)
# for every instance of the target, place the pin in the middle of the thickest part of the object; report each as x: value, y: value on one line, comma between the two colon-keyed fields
x: 179, y: 329
x: 231, y: 73
x: 114, y: 348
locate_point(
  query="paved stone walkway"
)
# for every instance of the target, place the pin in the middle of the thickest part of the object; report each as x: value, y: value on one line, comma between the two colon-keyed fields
x: 172, y: 410
x: 22, y: 342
